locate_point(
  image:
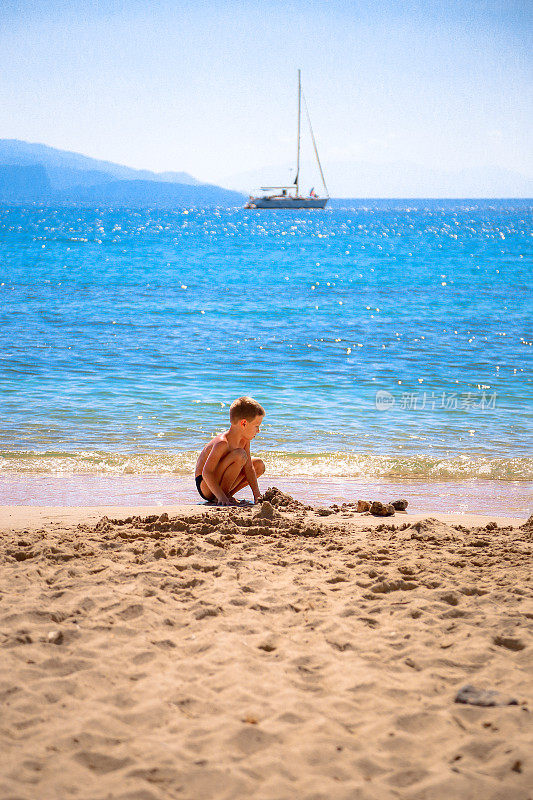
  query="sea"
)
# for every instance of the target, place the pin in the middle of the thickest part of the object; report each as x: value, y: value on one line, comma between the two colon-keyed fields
x: 390, y: 343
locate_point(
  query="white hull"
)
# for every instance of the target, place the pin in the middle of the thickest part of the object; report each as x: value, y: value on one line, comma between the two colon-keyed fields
x: 286, y: 202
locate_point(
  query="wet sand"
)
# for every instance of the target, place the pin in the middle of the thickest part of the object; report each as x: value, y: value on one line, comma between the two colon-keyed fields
x: 511, y: 498
x: 265, y: 653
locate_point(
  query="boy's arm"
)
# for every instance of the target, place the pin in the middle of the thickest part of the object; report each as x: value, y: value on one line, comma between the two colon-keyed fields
x: 218, y: 451
x: 249, y: 474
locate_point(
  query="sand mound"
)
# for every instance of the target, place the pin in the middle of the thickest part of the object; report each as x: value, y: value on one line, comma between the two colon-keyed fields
x: 432, y: 530
x: 281, y: 501
x: 528, y: 525
x: 241, y: 652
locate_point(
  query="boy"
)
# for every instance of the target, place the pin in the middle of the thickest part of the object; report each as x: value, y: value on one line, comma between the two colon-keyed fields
x: 225, y: 466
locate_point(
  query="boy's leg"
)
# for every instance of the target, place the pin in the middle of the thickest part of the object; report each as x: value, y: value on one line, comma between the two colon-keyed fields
x: 241, y: 481
x: 227, y: 472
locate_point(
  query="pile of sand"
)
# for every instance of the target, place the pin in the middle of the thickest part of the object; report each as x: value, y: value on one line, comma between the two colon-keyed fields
x: 238, y: 653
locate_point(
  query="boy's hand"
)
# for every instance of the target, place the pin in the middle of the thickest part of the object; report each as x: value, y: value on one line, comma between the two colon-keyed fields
x: 228, y: 501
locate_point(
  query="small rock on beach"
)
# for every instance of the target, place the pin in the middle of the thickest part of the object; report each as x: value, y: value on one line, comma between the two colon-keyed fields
x: 381, y: 509
x: 475, y: 696
x: 399, y: 505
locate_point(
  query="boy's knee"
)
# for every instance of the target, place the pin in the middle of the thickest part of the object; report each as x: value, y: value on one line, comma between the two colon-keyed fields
x: 240, y: 455
x: 259, y: 466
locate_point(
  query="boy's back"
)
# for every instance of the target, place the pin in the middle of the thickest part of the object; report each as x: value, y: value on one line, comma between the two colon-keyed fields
x: 224, y: 447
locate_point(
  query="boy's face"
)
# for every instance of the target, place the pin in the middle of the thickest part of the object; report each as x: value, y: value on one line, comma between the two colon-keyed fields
x: 250, y: 428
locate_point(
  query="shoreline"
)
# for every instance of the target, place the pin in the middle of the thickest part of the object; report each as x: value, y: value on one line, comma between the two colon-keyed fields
x: 155, y: 491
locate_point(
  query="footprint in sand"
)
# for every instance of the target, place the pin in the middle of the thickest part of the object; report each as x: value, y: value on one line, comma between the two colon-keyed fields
x: 65, y: 666
x: 407, y: 777
x: 131, y: 612
x: 100, y: 762
x: 157, y: 775
x: 509, y: 642
x: 384, y: 587
x: 417, y: 722
x: 143, y: 658
x: 251, y: 739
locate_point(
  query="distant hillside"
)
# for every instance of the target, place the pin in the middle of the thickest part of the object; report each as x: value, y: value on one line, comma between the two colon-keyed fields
x: 37, y: 173
x: 73, y: 169
x: 19, y: 184
x: 143, y: 194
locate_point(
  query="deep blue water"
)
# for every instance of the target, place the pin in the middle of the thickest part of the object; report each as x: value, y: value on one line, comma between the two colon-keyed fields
x: 125, y: 335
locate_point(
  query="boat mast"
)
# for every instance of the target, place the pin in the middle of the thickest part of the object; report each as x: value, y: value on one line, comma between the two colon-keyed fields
x: 298, y: 155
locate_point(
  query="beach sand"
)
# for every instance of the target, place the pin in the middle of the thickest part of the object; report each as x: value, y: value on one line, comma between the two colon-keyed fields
x: 263, y: 653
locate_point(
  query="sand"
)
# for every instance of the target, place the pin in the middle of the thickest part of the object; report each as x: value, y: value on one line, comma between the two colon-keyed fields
x: 258, y: 653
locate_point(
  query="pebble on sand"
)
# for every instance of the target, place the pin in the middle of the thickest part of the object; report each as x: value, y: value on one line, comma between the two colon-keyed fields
x: 399, y: 505
x: 381, y: 509
x: 475, y: 696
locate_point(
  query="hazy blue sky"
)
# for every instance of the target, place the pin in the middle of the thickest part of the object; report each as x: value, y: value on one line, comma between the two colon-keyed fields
x: 210, y: 87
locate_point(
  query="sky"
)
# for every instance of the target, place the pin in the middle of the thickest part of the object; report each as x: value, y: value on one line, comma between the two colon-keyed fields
x: 209, y: 86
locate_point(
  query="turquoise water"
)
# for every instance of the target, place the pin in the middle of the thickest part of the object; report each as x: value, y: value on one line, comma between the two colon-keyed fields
x: 125, y: 335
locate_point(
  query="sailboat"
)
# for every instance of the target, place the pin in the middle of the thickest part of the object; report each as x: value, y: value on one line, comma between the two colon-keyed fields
x: 289, y: 196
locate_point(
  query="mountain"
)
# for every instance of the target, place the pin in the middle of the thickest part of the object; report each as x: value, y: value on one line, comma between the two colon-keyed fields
x: 73, y: 169
x: 37, y: 173
x: 398, y: 179
x: 19, y: 183
x: 150, y: 194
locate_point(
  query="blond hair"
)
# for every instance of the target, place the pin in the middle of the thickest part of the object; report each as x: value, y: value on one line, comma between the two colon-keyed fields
x: 245, y: 408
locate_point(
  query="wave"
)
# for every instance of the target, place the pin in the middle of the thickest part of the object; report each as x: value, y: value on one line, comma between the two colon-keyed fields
x: 298, y: 465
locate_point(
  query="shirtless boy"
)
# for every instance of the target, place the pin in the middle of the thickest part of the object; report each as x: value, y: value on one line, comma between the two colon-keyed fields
x: 225, y: 466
